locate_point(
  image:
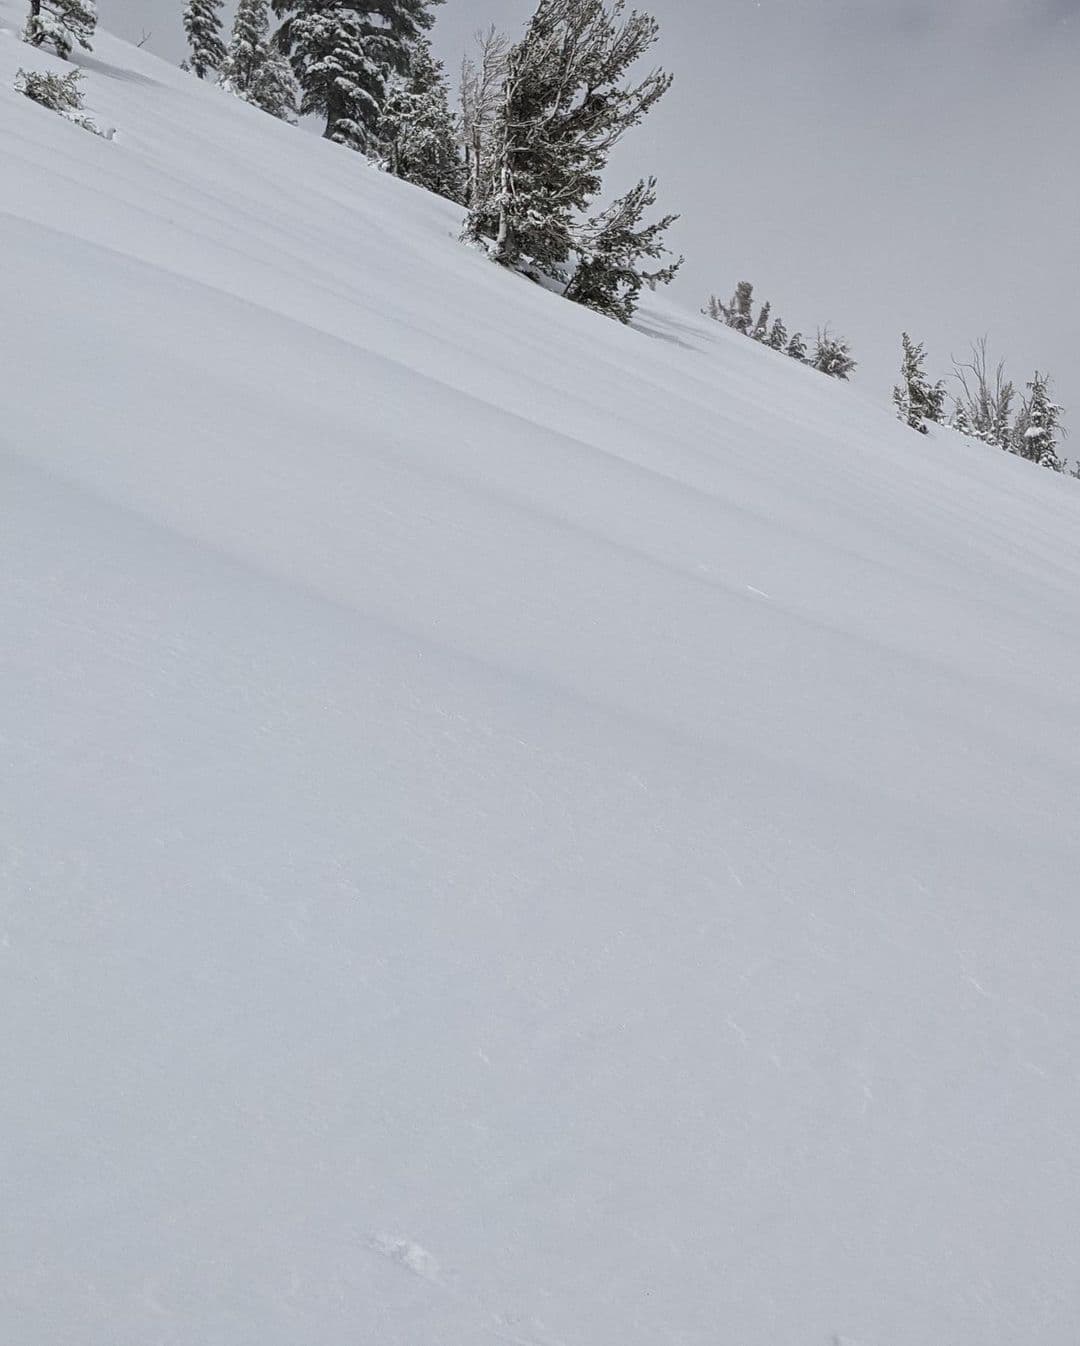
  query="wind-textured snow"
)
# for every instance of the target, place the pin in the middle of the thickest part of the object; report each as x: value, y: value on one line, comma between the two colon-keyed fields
x: 512, y: 829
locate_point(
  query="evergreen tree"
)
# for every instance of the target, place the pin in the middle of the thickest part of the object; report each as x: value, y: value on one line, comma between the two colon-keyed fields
x: 737, y: 312
x: 344, y: 53
x: 1040, y: 421
x: 610, y: 275
x: 418, y: 131
x: 761, y: 328
x: 917, y: 400
x: 961, y: 419
x: 202, y: 23
x: 254, y: 69
x: 832, y: 356
x: 796, y: 348
x: 778, y: 335
x: 60, y: 24
x: 565, y: 105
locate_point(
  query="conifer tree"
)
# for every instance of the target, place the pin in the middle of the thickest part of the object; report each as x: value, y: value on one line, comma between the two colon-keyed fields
x: 254, y: 69
x: 344, y: 53
x: 610, y: 275
x: 417, y: 130
x: 832, y: 355
x: 778, y: 335
x: 202, y: 23
x: 1039, y: 425
x: 566, y: 103
x: 738, y: 311
x: 760, y: 329
x: 60, y: 24
x: 917, y: 400
x: 961, y: 419
x: 796, y: 348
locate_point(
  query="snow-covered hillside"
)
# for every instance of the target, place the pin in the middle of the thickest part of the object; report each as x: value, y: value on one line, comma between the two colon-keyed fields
x: 512, y: 830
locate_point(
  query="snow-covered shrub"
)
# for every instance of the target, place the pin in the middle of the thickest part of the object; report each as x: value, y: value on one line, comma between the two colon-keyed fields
x: 59, y: 93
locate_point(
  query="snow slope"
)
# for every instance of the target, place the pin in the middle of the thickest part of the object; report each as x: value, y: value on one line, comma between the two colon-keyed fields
x: 512, y: 830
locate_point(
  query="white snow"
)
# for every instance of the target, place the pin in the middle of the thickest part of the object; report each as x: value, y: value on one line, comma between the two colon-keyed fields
x: 511, y: 829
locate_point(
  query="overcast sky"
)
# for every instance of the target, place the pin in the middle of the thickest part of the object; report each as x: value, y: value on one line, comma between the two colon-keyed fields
x: 875, y: 164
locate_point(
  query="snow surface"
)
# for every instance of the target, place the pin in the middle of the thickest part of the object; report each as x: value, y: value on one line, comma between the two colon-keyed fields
x: 511, y: 829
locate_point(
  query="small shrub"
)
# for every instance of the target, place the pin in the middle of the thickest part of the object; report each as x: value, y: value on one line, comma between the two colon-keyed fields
x: 59, y: 93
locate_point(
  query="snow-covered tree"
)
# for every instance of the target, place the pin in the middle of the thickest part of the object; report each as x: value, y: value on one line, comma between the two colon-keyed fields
x: 566, y: 103
x: 760, y: 330
x: 832, y: 355
x: 796, y: 348
x: 960, y: 420
x: 917, y: 399
x: 254, y: 68
x: 417, y: 130
x: 482, y: 80
x: 738, y: 311
x: 202, y: 23
x: 60, y: 24
x: 344, y: 54
x: 611, y: 273
x: 1039, y: 425
x: 778, y: 335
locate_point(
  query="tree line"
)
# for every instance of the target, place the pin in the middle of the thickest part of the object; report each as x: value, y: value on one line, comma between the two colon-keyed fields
x: 985, y: 404
x: 524, y: 153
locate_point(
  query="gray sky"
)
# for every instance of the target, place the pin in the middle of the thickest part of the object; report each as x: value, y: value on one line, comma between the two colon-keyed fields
x: 875, y: 164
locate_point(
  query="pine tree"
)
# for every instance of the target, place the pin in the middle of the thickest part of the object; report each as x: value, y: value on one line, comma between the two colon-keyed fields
x: 961, y: 419
x: 344, y: 53
x: 60, y: 24
x: 254, y: 69
x: 778, y: 335
x: 832, y: 356
x: 1040, y: 419
x: 737, y: 312
x: 565, y: 105
x: 202, y: 23
x: 760, y: 330
x: 610, y: 275
x: 418, y: 132
x: 917, y: 400
x: 796, y: 348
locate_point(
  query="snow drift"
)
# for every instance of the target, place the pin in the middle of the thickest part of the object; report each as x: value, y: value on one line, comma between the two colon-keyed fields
x: 512, y: 829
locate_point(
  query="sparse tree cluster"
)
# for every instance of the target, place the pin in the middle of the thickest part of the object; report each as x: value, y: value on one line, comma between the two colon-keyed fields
x: 984, y: 405
x: 831, y: 354
x: 983, y: 410
x: 525, y: 152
